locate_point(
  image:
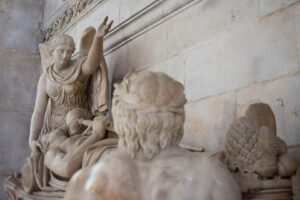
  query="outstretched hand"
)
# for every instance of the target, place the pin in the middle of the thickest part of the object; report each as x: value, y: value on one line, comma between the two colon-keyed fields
x: 104, y: 28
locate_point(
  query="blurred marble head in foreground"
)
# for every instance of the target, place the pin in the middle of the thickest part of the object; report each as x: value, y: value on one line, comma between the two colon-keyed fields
x: 149, y: 164
x: 148, y: 112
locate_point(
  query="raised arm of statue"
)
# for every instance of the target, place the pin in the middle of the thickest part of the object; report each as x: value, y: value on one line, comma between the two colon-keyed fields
x: 37, y: 118
x: 96, y: 51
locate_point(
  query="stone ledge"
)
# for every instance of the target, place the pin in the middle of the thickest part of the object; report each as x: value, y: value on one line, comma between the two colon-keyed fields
x: 143, y: 21
x: 67, y: 16
x: 140, y: 22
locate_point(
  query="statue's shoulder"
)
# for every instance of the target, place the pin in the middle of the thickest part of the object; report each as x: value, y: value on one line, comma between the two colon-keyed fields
x: 190, y: 170
x: 108, y: 177
x: 119, y: 162
x: 112, y: 168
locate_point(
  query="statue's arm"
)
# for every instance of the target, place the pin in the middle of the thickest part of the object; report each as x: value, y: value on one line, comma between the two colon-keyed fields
x: 95, y: 54
x: 38, y: 115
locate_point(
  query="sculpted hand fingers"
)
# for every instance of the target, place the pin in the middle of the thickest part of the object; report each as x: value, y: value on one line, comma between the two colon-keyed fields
x: 105, y: 20
x: 106, y: 29
x: 109, y: 26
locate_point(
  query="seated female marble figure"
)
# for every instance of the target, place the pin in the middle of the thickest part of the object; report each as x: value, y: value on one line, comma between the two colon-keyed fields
x: 149, y: 164
x: 64, y: 85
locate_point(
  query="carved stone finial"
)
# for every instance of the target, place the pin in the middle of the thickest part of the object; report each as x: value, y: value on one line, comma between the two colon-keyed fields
x: 256, y: 156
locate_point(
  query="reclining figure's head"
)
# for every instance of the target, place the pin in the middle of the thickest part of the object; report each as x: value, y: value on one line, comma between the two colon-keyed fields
x: 148, y: 112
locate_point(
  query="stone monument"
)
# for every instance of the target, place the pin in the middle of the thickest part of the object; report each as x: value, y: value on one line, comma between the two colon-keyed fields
x: 71, y: 138
x: 69, y: 117
x: 148, y: 114
x: 258, y: 158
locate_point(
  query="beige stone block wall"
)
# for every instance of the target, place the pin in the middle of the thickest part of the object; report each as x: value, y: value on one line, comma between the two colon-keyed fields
x: 207, y: 121
x: 19, y: 73
x: 258, y: 51
x: 223, y: 49
x: 227, y: 54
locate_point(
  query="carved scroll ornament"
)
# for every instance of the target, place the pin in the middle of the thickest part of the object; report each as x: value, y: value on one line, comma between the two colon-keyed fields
x: 66, y: 18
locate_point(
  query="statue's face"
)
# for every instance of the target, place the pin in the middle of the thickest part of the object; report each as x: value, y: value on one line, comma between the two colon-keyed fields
x: 62, y: 55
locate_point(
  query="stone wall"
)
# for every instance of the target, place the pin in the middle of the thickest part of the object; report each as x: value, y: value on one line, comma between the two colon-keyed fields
x: 51, y: 7
x: 19, y: 72
x: 227, y: 54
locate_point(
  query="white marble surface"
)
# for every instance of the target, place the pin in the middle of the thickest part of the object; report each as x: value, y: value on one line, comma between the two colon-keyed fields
x: 208, y: 120
x: 268, y: 6
x: 148, y: 49
x: 174, y: 67
x: 259, y: 51
x: 207, y: 21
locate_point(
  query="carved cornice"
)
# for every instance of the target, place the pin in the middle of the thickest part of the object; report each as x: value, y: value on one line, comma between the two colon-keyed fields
x: 66, y: 16
x: 144, y: 20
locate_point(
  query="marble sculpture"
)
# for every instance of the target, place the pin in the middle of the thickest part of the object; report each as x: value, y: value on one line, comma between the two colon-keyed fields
x: 79, y: 153
x: 258, y: 158
x: 148, y: 114
x: 69, y: 128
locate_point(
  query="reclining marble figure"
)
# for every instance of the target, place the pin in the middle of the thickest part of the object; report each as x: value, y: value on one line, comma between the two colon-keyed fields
x: 148, y: 164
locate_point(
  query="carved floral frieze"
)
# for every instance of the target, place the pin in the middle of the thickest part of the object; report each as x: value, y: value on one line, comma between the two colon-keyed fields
x: 138, y: 23
x: 64, y: 19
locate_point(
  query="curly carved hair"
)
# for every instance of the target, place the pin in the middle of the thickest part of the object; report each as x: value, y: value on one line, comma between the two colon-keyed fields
x: 148, y: 112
